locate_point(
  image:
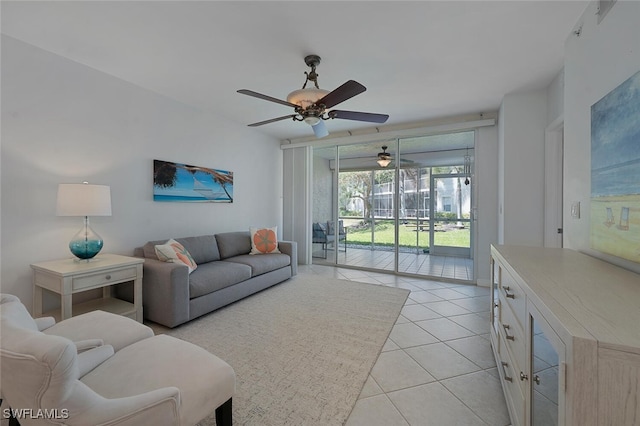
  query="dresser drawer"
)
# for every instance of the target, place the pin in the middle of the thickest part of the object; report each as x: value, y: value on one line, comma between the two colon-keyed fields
x: 84, y: 282
x: 514, y: 339
x: 513, y: 296
x: 513, y: 391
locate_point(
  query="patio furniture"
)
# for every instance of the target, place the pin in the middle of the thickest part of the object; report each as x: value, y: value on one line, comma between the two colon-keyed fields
x: 324, y: 233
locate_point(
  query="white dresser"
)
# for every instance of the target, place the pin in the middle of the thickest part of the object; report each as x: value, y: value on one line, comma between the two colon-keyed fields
x: 565, y: 331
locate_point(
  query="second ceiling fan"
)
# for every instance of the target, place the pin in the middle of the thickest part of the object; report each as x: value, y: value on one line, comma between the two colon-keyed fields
x: 312, y: 105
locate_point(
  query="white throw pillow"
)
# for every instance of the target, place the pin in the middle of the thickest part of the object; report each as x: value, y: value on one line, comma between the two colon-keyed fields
x: 174, y: 252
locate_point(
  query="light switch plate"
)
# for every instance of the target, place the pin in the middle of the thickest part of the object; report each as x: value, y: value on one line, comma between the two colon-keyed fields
x: 575, y: 209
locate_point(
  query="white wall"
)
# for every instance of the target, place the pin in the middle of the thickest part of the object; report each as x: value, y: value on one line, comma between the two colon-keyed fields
x: 596, y: 62
x: 486, y: 200
x: 555, y: 98
x: 63, y: 122
x: 523, y: 119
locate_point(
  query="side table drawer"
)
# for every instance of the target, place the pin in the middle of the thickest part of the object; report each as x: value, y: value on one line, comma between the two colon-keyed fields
x: 100, y: 279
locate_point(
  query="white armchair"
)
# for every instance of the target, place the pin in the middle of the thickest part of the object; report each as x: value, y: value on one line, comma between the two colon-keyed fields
x: 156, y: 380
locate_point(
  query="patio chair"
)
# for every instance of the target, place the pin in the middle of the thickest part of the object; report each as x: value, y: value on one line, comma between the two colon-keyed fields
x: 325, y: 234
x: 342, y: 233
x: 320, y: 237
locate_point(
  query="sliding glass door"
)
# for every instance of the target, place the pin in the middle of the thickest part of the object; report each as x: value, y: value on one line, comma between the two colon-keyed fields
x: 411, y: 214
x: 366, y: 204
x: 451, y: 222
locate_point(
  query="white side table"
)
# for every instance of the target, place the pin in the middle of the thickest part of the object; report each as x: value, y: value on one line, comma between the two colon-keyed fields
x: 67, y: 277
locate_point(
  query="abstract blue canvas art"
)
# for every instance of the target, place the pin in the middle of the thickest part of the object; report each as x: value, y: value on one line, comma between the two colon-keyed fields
x: 176, y: 182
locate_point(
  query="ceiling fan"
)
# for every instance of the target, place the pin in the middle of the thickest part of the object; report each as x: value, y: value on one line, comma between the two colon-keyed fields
x: 312, y: 105
x: 384, y: 158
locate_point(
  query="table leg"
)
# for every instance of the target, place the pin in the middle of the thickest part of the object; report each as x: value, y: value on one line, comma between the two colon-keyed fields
x: 65, y: 306
x: 37, y: 301
x: 137, y: 294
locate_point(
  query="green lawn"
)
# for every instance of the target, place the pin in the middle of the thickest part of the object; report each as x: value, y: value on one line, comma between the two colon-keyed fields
x: 384, y: 236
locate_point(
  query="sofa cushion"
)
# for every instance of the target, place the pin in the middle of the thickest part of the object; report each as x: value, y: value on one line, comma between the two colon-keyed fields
x: 203, y: 248
x: 263, y: 263
x: 233, y: 243
x: 149, y: 249
x: 204, y: 380
x: 213, y: 276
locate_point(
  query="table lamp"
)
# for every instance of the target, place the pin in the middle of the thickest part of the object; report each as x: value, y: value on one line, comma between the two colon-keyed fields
x: 82, y: 199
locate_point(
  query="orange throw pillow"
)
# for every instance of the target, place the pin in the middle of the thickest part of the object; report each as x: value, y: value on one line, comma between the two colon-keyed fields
x: 264, y: 240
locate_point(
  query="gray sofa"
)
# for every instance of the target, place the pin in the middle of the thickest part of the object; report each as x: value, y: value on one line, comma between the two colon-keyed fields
x: 226, y: 273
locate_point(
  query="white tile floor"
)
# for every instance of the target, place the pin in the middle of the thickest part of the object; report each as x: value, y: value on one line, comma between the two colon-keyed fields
x: 455, y: 268
x: 437, y: 367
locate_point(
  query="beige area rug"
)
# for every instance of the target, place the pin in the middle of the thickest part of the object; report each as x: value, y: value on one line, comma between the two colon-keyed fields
x: 301, y: 350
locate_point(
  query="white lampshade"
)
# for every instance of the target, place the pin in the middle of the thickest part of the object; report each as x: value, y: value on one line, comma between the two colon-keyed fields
x: 82, y: 199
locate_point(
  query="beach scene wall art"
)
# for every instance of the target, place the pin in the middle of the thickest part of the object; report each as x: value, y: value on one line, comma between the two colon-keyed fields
x: 176, y: 182
x: 615, y: 171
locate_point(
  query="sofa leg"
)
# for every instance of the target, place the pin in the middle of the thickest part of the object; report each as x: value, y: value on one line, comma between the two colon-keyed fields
x: 224, y: 414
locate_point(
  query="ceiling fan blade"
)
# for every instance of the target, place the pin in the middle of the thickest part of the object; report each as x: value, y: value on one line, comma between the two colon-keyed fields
x: 347, y: 91
x: 320, y: 130
x: 273, y: 120
x: 359, y: 116
x: 266, y: 98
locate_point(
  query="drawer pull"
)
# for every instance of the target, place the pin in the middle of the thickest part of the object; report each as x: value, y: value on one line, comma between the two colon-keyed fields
x: 507, y: 294
x: 108, y: 277
x: 506, y: 327
x: 507, y: 378
x: 536, y: 379
x: 523, y: 376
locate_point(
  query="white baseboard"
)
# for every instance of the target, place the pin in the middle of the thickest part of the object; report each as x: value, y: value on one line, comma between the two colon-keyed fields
x: 483, y: 282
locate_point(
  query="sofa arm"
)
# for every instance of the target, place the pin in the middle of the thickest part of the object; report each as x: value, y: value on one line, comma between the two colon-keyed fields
x: 88, y: 360
x: 166, y: 292
x: 44, y: 322
x: 290, y: 248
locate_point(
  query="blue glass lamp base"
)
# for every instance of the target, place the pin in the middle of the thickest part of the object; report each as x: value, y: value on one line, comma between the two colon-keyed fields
x: 86, y: 243
x: 85, y: 249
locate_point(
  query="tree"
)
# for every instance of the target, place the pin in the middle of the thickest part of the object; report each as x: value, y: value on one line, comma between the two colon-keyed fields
x: 355, y: 185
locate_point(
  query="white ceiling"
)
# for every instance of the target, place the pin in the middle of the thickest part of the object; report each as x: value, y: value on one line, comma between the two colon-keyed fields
x: 419, y: 60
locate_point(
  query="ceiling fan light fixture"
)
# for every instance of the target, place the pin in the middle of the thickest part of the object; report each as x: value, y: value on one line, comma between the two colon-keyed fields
x: 311, y: 120
x: 304, y: 98
x: 384, y: 162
